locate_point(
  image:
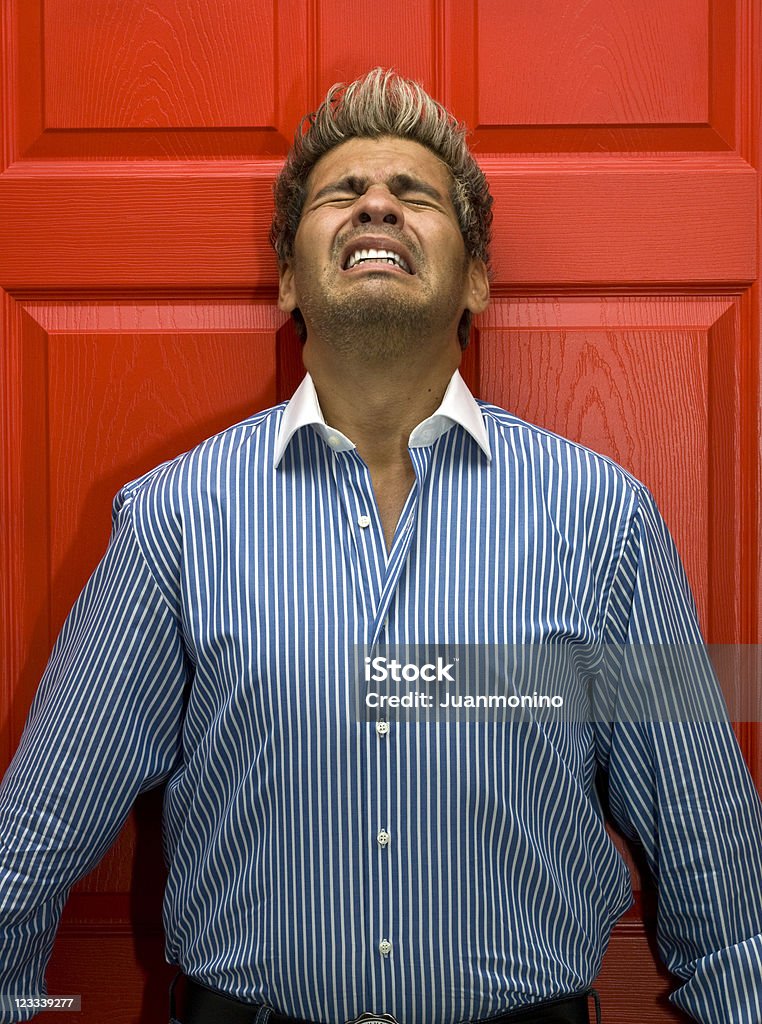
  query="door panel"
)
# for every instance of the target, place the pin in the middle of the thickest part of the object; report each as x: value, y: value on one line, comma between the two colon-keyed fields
x: 652, y: 382
x: 139, y: 294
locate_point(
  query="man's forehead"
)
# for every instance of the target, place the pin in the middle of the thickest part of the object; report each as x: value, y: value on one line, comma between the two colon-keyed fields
x: 379, y: 160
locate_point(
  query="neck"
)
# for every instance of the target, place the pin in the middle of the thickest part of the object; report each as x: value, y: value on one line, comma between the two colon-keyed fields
x: 378, y: 403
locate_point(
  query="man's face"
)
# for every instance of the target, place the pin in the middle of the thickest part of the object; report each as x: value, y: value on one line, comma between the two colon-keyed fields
x: 379, y: 260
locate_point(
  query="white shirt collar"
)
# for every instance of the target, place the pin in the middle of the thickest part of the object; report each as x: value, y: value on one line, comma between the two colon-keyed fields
x: 458, y: 406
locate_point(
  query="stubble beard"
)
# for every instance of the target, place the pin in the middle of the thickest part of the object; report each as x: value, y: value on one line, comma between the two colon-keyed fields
x: 379, y: 327
x: 382, y: 323
x: 377, y: 318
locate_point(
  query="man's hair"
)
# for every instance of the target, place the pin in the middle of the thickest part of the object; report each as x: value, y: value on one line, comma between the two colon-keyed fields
x: 377, y: 104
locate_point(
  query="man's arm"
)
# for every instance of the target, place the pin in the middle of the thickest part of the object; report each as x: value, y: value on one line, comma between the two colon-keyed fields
x: 678, y: 783
x: 104, y: 725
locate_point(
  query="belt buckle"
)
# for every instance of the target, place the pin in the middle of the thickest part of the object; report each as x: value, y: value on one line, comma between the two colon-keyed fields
x: 373, y: 1018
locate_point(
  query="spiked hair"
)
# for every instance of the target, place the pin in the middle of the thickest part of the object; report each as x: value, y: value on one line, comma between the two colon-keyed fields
x: 380, y: 103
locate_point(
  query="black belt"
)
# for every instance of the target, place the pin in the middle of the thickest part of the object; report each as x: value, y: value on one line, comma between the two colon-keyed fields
x: 191, y: 1003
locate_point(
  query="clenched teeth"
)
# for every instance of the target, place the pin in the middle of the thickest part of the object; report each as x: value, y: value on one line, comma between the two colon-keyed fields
x: 377, y: 255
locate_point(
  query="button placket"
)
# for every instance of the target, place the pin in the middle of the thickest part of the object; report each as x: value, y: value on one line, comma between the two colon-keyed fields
x: 355, y: 497
x: 360, y: 503
x: 382, y: 869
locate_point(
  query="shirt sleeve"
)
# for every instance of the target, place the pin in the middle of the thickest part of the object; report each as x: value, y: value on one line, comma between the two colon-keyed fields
x: 104, y: 725
x: 678, y: 782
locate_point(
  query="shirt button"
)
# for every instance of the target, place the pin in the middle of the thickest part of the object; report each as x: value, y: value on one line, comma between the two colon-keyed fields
x: 383, y: 837
x: 363, y: 521
x: 382, y: 728
x: 384, y: 947
x: 334, y: 440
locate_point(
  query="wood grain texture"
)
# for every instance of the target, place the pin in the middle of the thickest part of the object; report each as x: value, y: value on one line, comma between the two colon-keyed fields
x: 169, y: 80
x: 121, y: 402
x: 351, y: 38
x: 643, y: 78
x: 632, y: 381
x: 623, y: 225
x: 13, y: 643
x: 627, y: 227
x: 630, y: 63
x: 167, y: 65
x: 560, y: 77
x: 724, y: 462
x: 633, y: 985
x: 162, y: 313
x: 121, y: 976
x: 111, y: 389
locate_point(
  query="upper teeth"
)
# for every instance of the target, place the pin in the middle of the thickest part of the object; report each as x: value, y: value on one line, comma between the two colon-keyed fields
x: 376, y: 254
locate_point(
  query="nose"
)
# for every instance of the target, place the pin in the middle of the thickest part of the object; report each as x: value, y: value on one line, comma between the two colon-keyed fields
x: 377, y: 205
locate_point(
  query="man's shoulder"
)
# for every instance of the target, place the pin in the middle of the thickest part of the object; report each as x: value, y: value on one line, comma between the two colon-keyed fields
x: 211, y: 456
x: 561, y: 455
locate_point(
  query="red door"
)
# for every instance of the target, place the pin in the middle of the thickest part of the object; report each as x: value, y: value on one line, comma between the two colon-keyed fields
x: 139, y: 146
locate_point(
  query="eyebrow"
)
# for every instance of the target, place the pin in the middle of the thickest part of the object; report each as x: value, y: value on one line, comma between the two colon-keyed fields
x: 398, y: 184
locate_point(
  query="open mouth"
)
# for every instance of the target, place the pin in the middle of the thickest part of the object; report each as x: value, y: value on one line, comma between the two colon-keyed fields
x: 376, y: 257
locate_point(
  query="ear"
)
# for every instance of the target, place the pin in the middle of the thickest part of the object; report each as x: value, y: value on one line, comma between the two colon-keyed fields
x: 477, y: 298
x: 287, y: 300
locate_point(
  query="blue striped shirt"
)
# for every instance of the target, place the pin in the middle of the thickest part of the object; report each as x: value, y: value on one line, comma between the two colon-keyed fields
x: 327, y: 865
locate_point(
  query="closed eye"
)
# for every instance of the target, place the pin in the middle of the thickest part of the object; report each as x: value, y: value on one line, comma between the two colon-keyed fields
x: 334, y: 195
x: 407, y: 189
x: 417, y: 202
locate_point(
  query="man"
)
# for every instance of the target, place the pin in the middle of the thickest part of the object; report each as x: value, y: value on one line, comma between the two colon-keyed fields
x: 321, y: 865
